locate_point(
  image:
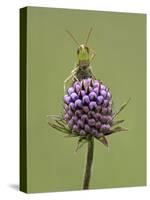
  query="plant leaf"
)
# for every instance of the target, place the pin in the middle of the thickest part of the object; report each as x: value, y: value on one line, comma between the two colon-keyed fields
x: 121, y: 108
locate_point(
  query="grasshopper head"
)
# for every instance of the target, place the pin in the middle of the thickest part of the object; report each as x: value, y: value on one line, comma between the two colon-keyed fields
x: 83, y: 53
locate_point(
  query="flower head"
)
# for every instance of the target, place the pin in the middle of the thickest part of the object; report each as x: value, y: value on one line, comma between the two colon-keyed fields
x: 88, y: 108
x: 88, y: 112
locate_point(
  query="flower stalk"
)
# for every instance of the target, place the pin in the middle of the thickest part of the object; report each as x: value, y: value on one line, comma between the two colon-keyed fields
x: 89, y: 161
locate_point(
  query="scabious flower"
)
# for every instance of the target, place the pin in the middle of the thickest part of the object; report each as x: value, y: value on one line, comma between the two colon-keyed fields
x: 88, y: 114
x: 88, y: 108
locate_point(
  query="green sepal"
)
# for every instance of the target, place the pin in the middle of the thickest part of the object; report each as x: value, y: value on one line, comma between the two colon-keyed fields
x: 59, y: 128
x: 103, y: 140
x: 115, y: 130
x: 121, y: 108
x: 57, y: 122
x: 117, y: 122
x: 82, y: 140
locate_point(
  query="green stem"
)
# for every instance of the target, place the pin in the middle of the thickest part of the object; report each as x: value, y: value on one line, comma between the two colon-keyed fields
x: 89, y: 161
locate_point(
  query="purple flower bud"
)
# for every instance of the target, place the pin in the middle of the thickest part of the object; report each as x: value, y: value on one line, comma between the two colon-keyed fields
x: 78, y: 103
x: 84, y: 118
x: 74, y: 96
x: 100, y: 100
x: 67, y: 117
x: 72, y: 106
x: 70, y: 113
x: 92, y: 96
x: 87, y: 128
x: 75, y: 128
x: 96, y: 90
x: 92, y: 105
x: 67, y: 99
x: 96, y: 84
x: 77, y: 88
x: 109, y: 119
x: 98, y: 125
x: 86, y: 99
x: 103, y: 87
x: 105, y: 103
x: 91, y: 114
x: 88, y: 81
x: 105, y: 128
x: 98, y: 116
x: 80, y: 123
x: 98, y: 109
x: 90, y: 89
x: 94, y: 131
x: 70, y: 90
x: 95, y: 115
x: 66, y: 107
x: 75, y: 118
x: 76, y: 83
x: 109, y: 110
x: 110, y: 103
x: 98, y: 134
x: 91, y: 122
x: 107, y: 89
x: 82, y: 132
x: 104, y: 119
x: 108, y: 95
x: 70, y: 123
x: 85, y: 109
x: 82, y: 93
x: 85, y: 83
x: 78, y: 113
x: 104, y: 110
x: 103, y: 93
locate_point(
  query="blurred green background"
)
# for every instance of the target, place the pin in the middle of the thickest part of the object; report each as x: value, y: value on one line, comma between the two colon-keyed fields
x: 119, y: 40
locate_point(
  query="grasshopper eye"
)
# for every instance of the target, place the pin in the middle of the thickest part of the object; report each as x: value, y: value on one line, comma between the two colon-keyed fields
x: 78, y: 51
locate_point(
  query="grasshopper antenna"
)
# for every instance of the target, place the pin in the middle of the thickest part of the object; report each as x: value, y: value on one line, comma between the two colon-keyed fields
x: 88, y: 36
x: 74, y: 39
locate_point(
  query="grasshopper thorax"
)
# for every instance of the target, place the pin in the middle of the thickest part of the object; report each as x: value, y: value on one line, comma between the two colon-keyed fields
x: 83, y: 56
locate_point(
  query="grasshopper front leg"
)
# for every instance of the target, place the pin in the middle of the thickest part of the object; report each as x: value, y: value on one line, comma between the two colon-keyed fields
x: 93, y: 54
x: 91, y: 72
x: 66, y: 81
x: 71, y: 77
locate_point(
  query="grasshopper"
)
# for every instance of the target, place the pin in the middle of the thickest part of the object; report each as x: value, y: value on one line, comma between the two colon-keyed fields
x: 85, y: 55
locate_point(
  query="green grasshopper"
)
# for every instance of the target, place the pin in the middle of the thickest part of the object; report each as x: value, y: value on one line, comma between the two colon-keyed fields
x: 85, y: 55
